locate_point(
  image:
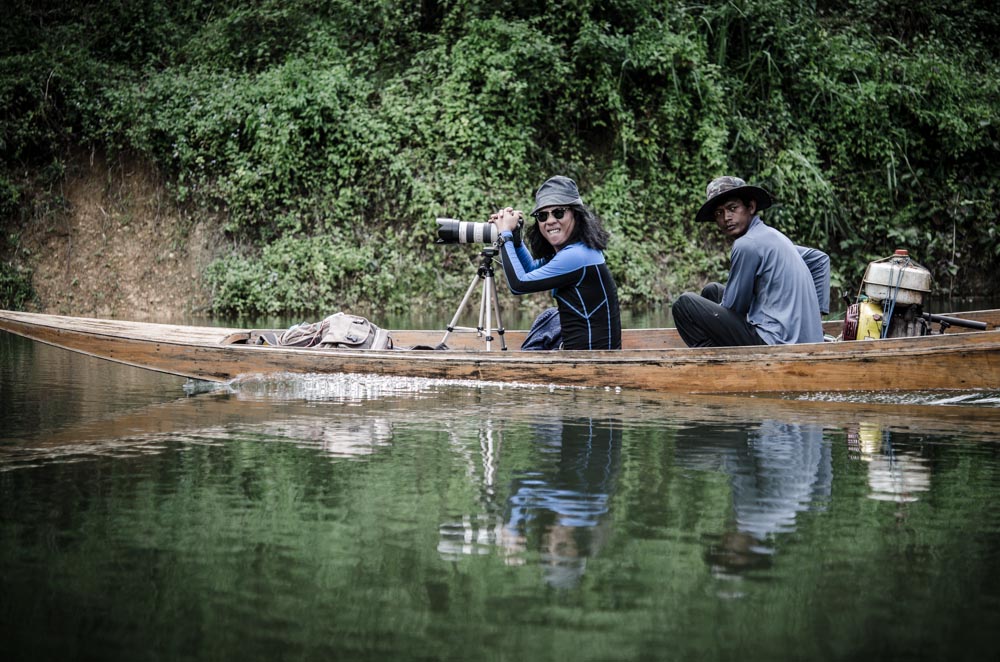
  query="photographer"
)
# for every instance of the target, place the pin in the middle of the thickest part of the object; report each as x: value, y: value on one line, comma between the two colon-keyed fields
x: 567, y: 241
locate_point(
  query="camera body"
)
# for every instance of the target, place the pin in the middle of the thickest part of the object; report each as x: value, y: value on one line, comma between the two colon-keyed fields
x: 453, y: 231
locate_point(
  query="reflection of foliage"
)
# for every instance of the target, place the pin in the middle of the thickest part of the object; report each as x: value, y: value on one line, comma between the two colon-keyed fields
x: 874, y: 123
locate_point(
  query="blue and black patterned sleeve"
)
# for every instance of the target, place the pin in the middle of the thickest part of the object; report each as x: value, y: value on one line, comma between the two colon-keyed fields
x: 565, y: 268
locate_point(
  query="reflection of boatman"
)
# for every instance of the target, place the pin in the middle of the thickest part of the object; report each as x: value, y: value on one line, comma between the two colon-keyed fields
x: 776, y: 471
x: 560, y: 506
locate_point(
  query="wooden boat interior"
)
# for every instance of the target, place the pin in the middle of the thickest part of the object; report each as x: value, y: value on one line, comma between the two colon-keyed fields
x: 654, y: 338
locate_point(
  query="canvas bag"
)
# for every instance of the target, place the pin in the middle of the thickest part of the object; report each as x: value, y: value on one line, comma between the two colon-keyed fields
x: 339, y: 330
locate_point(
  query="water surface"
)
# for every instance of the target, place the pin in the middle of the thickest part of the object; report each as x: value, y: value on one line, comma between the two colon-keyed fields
x: 359, y: 517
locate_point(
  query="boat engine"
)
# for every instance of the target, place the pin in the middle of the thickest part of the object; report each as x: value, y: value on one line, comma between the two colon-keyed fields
x: 890, y: 301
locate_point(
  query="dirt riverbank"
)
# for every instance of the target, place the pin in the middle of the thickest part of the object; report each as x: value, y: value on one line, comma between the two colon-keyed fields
x: 111, y: 243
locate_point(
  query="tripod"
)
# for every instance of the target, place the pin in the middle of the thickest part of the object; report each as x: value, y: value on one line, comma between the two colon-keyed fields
x: 489, y: 303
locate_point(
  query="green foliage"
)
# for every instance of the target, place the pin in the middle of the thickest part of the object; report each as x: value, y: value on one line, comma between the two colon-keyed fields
x: 291, y: 275
x: 15, y: 287
x: 279, y: 150
x: 10, y: 198
x: 875, y: 124
x: 873, y: 139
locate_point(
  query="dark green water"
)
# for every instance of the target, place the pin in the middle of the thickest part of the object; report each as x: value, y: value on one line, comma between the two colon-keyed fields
x: 363, y: 518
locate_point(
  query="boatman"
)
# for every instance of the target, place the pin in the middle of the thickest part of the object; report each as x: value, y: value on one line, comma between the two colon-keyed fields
x: 771, y: 297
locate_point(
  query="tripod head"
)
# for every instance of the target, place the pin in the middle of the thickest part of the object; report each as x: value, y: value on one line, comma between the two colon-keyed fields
x: 486, y: 256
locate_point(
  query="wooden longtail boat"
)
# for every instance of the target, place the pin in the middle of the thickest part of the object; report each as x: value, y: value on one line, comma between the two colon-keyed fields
x: 651, y: 359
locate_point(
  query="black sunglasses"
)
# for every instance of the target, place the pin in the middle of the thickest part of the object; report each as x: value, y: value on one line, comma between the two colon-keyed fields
x: 542, y: 216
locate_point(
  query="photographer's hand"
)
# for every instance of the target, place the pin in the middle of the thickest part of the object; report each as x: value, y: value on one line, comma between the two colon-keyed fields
x: 507, y: 219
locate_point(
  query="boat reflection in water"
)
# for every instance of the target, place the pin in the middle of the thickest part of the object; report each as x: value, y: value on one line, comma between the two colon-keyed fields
x: 893, y: 474
x: 555, y: 506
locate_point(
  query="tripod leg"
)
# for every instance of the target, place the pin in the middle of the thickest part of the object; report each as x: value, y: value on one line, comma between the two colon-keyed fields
x: 496, y: 308
x: 482, y: 308
x: 461, y: 307
x: 486, y: 309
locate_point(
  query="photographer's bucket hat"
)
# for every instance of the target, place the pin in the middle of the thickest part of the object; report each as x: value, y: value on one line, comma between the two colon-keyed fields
x: 724, y: 188
x: 557, y: 190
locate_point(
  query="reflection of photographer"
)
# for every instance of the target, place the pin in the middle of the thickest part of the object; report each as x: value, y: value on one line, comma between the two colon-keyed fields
x: 560, y: 505
x: 556, y: 510
x: 567, y: 242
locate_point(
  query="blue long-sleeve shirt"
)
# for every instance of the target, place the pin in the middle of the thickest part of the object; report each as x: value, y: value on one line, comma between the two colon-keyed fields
x: 770, y: 283
x: 583, y: 287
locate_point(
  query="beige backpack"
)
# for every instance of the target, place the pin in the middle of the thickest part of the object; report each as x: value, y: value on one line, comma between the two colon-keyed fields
x: 339, y: 330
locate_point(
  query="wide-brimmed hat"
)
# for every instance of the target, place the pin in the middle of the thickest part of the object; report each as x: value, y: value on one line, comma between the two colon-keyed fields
x: 557, y: 190
x: 723, y: 188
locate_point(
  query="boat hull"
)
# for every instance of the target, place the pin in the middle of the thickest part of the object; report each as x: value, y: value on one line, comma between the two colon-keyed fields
x: 651, y: 361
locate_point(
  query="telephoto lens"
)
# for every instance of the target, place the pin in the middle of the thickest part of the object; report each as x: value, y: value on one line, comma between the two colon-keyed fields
x: 453, y: 231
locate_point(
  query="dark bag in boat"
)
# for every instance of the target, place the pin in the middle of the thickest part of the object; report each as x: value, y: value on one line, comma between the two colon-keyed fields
x: 339, y: 330
x: 545, y: 332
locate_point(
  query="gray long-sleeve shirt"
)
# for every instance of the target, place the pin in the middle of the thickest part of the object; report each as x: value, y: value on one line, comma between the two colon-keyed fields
x: 819, y: 266
x: 770, y: 284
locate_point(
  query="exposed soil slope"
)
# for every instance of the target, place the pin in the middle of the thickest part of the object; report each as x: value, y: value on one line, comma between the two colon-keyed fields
x: 119, y: 247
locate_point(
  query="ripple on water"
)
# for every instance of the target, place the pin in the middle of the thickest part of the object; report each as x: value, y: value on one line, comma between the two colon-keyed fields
x: 923, y: 398
x: 355, y: 387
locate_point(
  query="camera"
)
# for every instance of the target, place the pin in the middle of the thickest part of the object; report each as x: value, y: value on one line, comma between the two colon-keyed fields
x: 453, y: 231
